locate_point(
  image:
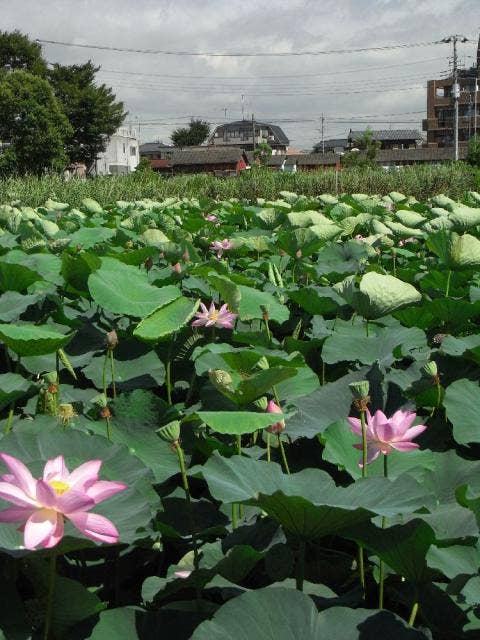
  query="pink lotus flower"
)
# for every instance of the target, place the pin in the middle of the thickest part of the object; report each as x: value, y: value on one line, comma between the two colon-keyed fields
x: 359, y: 236
x: 279, y: 426
x: 182, y: 574
x: 211, y: 217
x: 42, y: 505
x: 177, y: 267
x: 386, y: 434
x: 212, y: 317
x: 220, y: 247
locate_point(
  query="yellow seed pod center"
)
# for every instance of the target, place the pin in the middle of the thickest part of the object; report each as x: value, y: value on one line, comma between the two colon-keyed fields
x: 59, y: 486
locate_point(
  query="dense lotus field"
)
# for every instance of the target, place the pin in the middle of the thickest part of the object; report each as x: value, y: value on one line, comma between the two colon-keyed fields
x: 232, y: 420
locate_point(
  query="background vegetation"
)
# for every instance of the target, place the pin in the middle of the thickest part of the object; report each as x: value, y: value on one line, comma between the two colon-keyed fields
x: 421, y: 182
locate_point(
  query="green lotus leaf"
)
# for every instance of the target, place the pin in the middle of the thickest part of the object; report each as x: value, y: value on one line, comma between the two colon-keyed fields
x: 32, y: 340
x: 167, y: 319
x: 377, y: 295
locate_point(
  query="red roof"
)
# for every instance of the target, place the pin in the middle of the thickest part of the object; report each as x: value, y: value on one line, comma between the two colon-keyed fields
x: 157, y: 163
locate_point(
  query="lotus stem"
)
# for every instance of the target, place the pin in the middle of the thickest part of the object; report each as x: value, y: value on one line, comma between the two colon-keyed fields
x: 268, y: 447
x: 104, y: 375
x: 51, y: 594
x: 413, y: 613
x: 112, y: 369
x: 168, y: 373
x: 381, y: 578
x: 364, y: 444
x: 366, y: 327
x: 8, y: 426
x: 447, y: 288
x: 282, y: 451
x: 239, y: 452
x: 300, y: 568
x: 394, y: 258
x: 186, y: 488
x: 361, y: 570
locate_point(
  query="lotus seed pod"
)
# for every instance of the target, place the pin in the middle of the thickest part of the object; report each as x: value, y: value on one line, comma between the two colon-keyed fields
x: 111, y: 339
x: 66, y: 413
x: 170, y: 432
x: 221, y: 380
x: 360, y: 389
x: 430, y: 369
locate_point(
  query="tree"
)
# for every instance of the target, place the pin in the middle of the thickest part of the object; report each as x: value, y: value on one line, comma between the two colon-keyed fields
x: 473, y: 156
x: 196, y: 133
x: 33, y: 126
x: 17, y: 52
x: 92, y: 110
x: 365, y: 153
x: 262, y: 153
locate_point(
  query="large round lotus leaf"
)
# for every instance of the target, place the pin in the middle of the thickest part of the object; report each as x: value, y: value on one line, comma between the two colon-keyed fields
x: 12, y: 387
x: 88, y: 237
x: 465, y: 217
x: 456, y: 252
x: 462, y: 400
x: 91, y: 206
x: 276, y: 613
x: 129, y: 510
x: 377, y: 295
x: 32, y: 340
x: 124, y: 289
x: 166, y: 319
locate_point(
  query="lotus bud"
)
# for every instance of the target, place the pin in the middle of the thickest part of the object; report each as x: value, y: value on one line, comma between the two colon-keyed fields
x: 279, y: 426
x: 261, y: 403
x: 298, y: 254
x: 186, y: 255
x: 430, y: 369
x: 170, y: 432
x: 157, y: 546
x: 105, y: 413
x: 221, y: 380
x: 111, y: 339
x: 263, y: 363
x: 360, y: 389
x: 148, y: 264
x: 177, y: 268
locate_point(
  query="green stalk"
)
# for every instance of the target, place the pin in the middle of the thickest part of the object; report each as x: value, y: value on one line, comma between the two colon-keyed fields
x: 361, y: 565
x: 168, y: 382
x: 394, y: 258
x: 8, y: 426
x: 50, y: 596
x: 300, y: 568
x: 381, y: 565
x: 268, y: 447
x: 186, y: 488
x: 366, y: 327
x: 109, y: 429
x: 282, y: 451
x: 447, y: 288
x: 239, y: 452
x: 112, y: 369
x: 104, y: 375
x: 413, y: 613
x: 364, y: 444
x: 267, y: 329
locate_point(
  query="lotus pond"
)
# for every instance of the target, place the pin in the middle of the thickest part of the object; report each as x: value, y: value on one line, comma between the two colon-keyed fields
x: 240, y: 420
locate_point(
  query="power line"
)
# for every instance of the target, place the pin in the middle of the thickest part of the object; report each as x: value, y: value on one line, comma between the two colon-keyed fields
x: 271, y: 77
x: 239, y: 54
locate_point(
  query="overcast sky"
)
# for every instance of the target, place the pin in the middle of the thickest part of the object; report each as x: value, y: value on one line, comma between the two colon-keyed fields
x: 279, y: 89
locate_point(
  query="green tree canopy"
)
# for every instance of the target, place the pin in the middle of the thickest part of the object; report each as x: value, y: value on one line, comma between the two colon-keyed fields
x: 365, y: 153
x: 91, y: 109
x: 473, y: 156
x: 196, y: 133
x: 32, y: 124
x: 262, y: 152
x: 17, y: 52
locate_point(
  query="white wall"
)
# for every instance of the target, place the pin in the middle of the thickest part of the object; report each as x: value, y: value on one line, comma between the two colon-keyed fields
x: 122, y: 153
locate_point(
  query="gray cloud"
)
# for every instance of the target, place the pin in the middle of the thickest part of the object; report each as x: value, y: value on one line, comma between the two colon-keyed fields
x: 343, y: 85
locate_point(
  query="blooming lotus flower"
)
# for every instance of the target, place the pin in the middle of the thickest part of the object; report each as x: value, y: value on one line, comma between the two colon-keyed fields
x: 211, y: 217
x: 220, y: 247
x: 212, y: 317
x: 279, y: 426
x: 182, y: 574
x: 386, y: 434
x: 41, y: 506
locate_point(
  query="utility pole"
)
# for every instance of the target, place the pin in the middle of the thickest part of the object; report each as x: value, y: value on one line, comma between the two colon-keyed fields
x: 456, y: 88
x: 225, y: 110
x: 243, y: 107
x: 475, y: 108
x: 253, y: 128
x: 323, y: 131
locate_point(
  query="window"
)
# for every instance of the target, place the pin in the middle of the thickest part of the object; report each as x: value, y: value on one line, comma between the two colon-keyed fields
x: 124, y: 149
x: 133, y: 150
x: 440, y: 92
